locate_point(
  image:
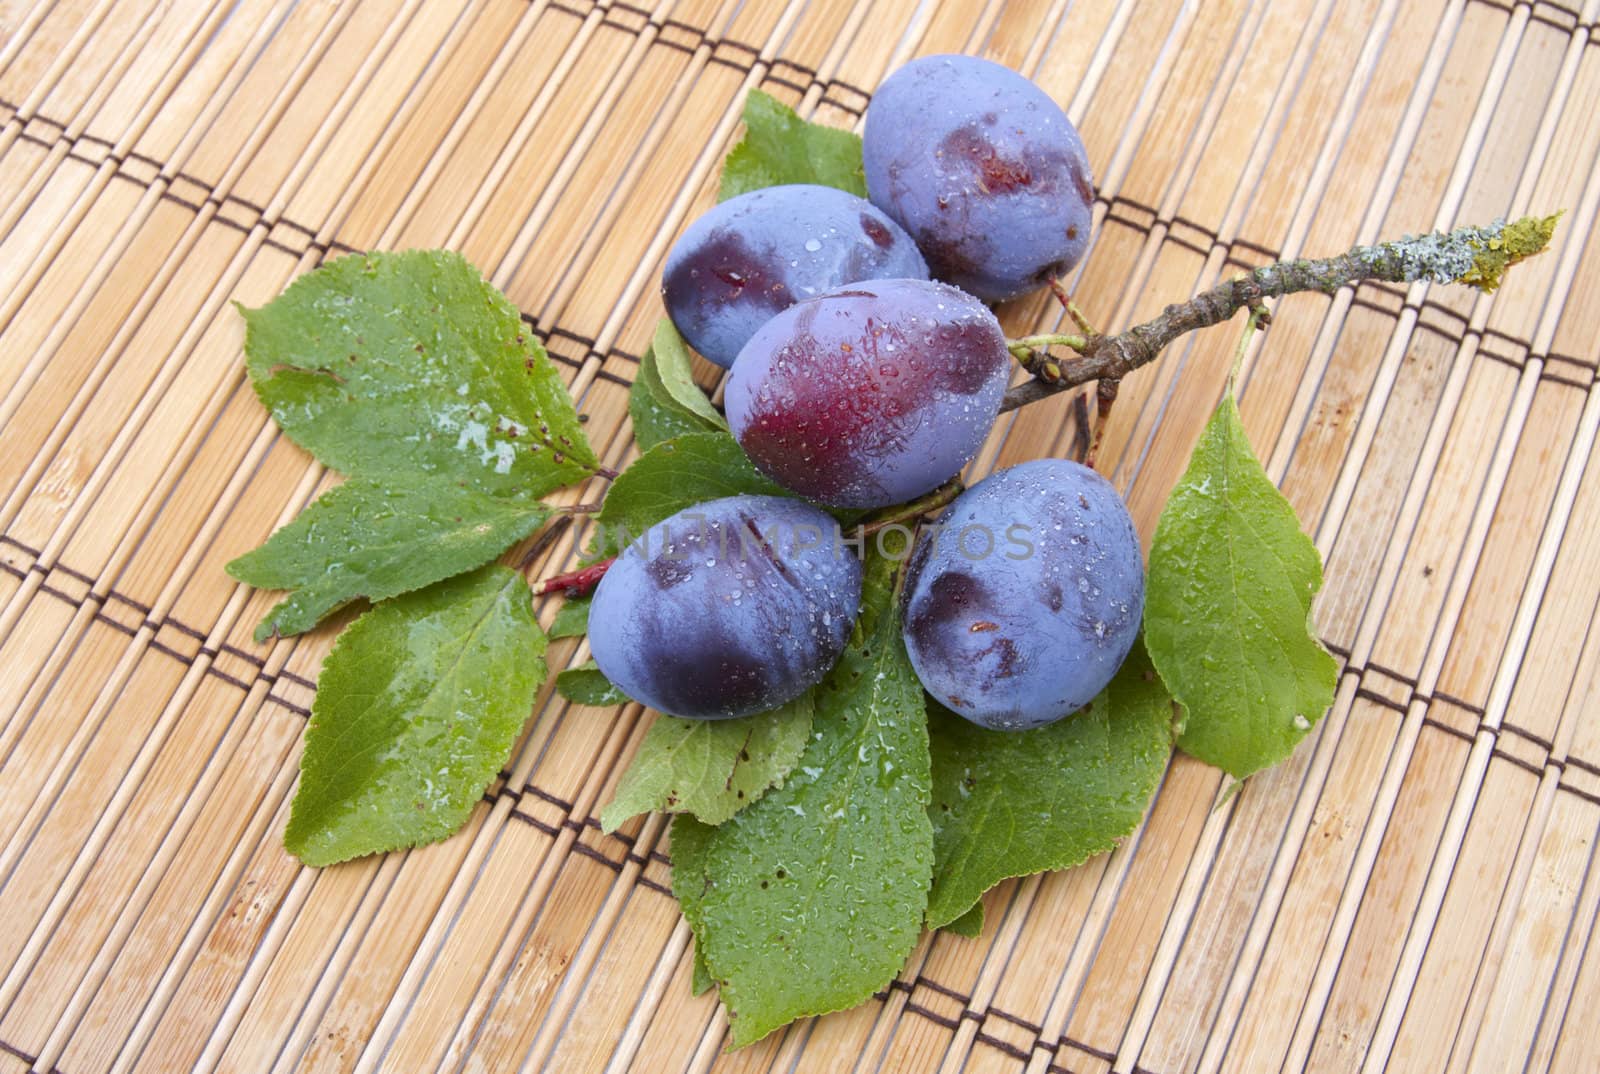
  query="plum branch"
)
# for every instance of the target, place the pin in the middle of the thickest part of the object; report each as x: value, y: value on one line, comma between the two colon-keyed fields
x: 1477, y: 256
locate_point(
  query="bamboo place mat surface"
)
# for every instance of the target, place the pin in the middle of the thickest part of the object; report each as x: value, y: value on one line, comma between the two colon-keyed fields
x: 1414, y: 890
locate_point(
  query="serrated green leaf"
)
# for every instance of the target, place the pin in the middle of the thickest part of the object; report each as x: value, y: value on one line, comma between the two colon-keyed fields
x: 710, y: 768
x: 677, y: 374
x: 700, y: 981
x: 379, y: 540
x: 657, y: 417
x: 810, y: 900
x: 779, y: 147
x: 411, y: 363
x: 417, y: 707
x: 1010, y: 803
x: 969, y: 924
x: 672, y: 476
x: 586, y: 684
x: 1228, y: 605
x: 572, y: 620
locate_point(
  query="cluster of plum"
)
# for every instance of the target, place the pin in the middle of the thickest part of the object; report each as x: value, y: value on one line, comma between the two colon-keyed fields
x: 856, y: 381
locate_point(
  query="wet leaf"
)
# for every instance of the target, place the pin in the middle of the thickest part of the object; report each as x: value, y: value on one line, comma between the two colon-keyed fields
x: 379, y: 540
x: 1010, y: 803
x: 1228, y: 606
x: 810, y: 900
x: 586, y: 684
x: 389, y: 365
x: 779, y: 147
x: 417, y: 708
x: 710, y: 768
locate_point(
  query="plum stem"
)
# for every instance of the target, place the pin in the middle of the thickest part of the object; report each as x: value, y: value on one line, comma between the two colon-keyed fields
x: 1039, y: 362
x: 1478, y: 256
x: 578, y: 583
x: 916, y: 508
x: 1072, y: 309
x: 1105, y: 395
x: 1259, y: 318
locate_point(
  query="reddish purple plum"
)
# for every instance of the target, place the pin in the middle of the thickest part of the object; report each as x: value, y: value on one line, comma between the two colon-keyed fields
x: 872, y: 394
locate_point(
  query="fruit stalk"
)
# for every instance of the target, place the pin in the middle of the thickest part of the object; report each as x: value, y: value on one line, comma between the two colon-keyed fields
x: 578, y: 583
x: 914, y: 510
x: 1477, y: 256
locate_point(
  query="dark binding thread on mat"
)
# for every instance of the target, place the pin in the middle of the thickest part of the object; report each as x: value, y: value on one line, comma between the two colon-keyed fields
x: 17, y: 1053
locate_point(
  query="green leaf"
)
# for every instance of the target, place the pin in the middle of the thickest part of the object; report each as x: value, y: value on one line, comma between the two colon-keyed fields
x: 417, y: 707
x: 671, y: 476
x: 1228, y: 605
x: 676, y: 372
x: 810, y: 900
x: 1010, y: 803
x: 779, y: 147
x: 379, y: 540
x: 710, y: 768
x: 969, y: 924
x: 586, y: 684
x: 572, y: 620
x: 389, y: 364
x: 700, y: 982
x: 657, y: 417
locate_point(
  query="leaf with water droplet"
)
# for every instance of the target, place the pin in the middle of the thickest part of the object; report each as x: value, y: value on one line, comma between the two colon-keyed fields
x: 779, y: 147
x: 572, y: 620
x: 675, y: 474
x: 1227, y: 612
x: 700, y: 981
x: 1010, y: 803
x: 393, y: 365
x: 810, y: 900
x: 680, y: 473
x: 417, y: 707
x: 586, y: 684
x: 969, y: 924
x: 658, y: 412
x: 676, y: 371
x: 378, y: 540
x: 710, y: 768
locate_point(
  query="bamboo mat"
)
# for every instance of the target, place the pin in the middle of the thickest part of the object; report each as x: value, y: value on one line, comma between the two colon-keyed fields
x: 1416, y: 889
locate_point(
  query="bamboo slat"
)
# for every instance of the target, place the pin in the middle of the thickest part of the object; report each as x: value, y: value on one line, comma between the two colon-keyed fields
x: 1415, y: 889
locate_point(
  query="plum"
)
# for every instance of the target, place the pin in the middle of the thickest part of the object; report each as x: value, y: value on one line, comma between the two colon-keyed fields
x: 984, y: 170
x: 758, y: 253
x: 871, y: 394
x: 728, y: 608
x: 1023, y: 602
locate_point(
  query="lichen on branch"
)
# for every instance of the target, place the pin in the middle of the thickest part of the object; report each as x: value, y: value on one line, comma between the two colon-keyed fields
x: 1477, y: 256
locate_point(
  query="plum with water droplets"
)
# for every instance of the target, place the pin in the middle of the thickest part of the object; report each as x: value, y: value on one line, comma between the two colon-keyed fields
x: 984, y: 170
x: 758, y: 253
x: 727, y: 608
x: 1022, y: 603
x: 872, y: 394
